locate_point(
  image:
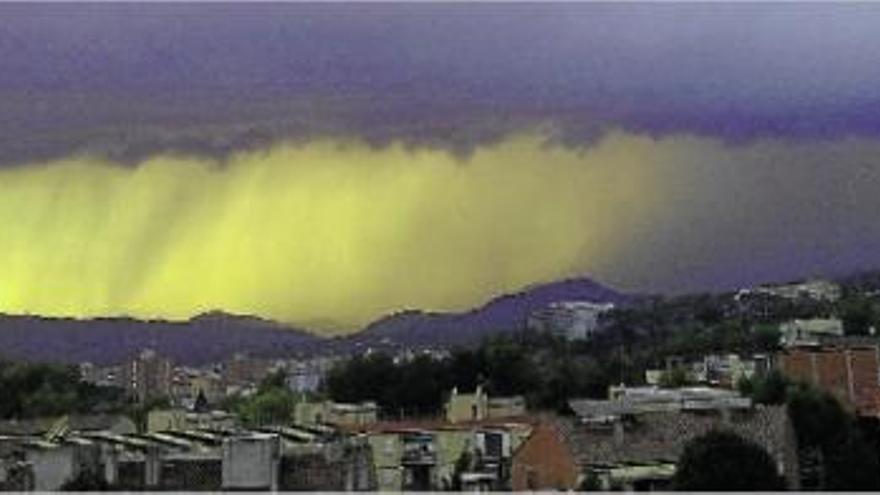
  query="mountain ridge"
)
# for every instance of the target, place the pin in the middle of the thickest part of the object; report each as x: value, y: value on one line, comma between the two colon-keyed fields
x: 215, y: 335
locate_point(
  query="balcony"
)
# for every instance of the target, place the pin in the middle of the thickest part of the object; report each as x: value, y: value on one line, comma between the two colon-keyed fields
x: 421, y: 455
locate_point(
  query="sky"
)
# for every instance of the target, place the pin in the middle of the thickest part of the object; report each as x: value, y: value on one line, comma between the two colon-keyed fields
x: 325, y: 164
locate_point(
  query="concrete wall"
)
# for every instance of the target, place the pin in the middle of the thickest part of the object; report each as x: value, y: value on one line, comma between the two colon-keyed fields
x: 467, y: 407
x: 251, y: 462
x: 52, y: 467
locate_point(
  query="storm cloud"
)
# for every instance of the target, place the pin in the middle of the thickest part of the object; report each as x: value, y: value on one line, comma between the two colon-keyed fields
x: 128, y: 80
x: 333, y: 162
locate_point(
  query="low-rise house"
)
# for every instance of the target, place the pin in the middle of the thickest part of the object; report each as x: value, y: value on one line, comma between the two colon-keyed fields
x: 467, y: 407
x: 336, y: 413
x: 479, y: 406
x: 302, y: 378
x: 717, y: 370
x: 411, y: 458
x: 625, y: 400
x: 634, y: 439
x: 426, y: 454
x: 53, y: 464
x: 809, y: 332
x: 242, y: 370
x: 506, y: 407
x: 105, y: 376
x: 819, y: 290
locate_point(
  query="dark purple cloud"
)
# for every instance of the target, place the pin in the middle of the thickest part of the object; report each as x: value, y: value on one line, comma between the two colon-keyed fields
x: 127, y: 79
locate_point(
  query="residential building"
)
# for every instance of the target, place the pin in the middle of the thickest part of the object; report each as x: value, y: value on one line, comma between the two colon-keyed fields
x: 242, y: 370
x: 479, y: 406
x: 717, y: 370
x: 424, y: 454
x: 104, y: 376
x: 304, y: 378
x: 633, y: 441
x: 335, y: 413
x: 809, y: 332
x: 282, y: 459
x: 848, y: 369
x: 467, y: 407
x: 820, y: 290
x: 573, y: 320
x: 506, y: 407
x: 148, y: 376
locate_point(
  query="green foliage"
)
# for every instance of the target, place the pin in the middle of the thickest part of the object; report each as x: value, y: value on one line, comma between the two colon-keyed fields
x: 722, y: 461
x: 675, y: 378
x: 413, y: 388
x: 820, y: 422
x: 566, y: 377
x: 850, y: 463
x: 139, y: 411
x: 858, y: 315
x: 270, y: 407
x: 272, y: 404
x: 276, y: 379
x: 34, y: 390
x: 547, y: 371
x: 765, y: 337
x: 746, y: 386
x: 771, y: 388
x: 590, y: 483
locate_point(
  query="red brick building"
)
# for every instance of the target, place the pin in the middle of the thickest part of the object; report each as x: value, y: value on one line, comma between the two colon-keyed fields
x: 848, y: 371
x: 544, y: 462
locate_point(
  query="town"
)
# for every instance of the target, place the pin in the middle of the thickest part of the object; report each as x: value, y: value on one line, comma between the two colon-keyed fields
x: 585, y: 396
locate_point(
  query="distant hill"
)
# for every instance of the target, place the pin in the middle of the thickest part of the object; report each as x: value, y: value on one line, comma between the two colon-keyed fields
x: 206, y: 338
x: 215, y: 336
x: 499, y: 315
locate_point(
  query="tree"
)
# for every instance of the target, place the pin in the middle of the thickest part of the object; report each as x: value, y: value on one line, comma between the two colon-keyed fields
x: 590, y: 483
x: 771, y: 388
x: 274, y: 406
x: 858, y: 315
x: 820, y: 422
x: 675, y: 378
x: 274, y: 380
x: 765, y: 337
x: 723, y: 461
x: 33, y: 390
